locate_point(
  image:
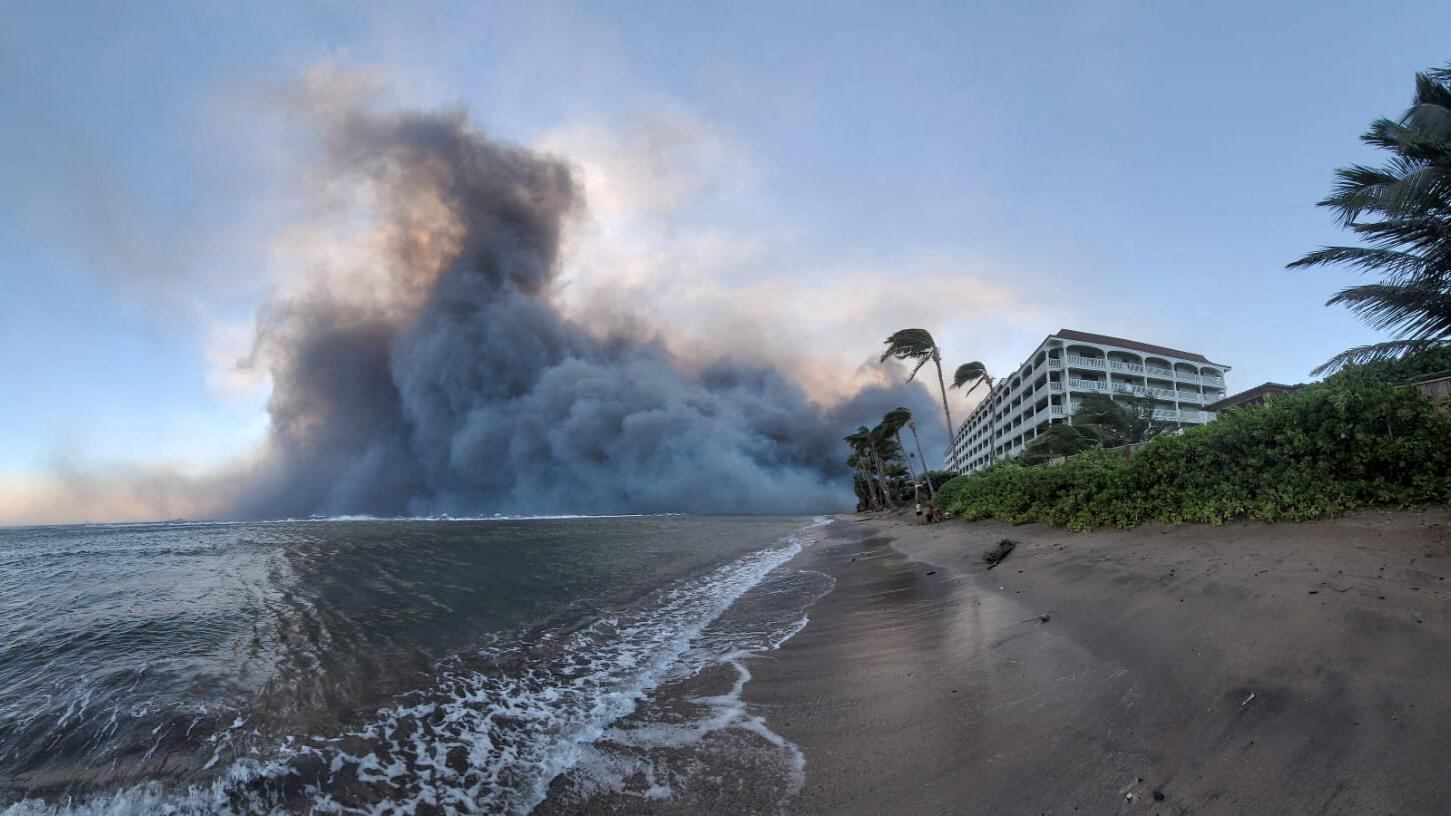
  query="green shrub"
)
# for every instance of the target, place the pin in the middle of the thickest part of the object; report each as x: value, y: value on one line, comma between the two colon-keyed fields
x: 1353, y: 441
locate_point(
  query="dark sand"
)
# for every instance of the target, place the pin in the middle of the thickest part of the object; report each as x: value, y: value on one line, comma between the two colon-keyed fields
x: 1250, y: 668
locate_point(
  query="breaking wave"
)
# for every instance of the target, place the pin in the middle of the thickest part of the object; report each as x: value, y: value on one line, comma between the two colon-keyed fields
x: 493, y: 729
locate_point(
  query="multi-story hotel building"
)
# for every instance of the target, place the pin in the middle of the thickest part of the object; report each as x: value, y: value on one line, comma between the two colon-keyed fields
x: 1069, y: 365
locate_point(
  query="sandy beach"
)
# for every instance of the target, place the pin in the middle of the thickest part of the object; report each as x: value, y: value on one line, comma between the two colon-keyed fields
x: 1249, y: 668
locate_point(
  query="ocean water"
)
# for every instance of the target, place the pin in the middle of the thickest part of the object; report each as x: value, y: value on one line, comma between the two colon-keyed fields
x: 392, y: 666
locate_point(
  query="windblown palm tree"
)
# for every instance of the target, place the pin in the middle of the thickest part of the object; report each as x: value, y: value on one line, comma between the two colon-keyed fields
x: 917, y: 344
x: 973, y: 372
x: 1402, y: 210
x: 880, y: 437
x: 926, y: 471
x: 867, y: 443
x: 862, y: 463
x: 902, y: 417
x: 1100, y: 421
x: 1116, y: 422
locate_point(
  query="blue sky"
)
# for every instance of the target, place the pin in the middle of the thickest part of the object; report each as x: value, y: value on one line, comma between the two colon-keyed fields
x: 991, y: 171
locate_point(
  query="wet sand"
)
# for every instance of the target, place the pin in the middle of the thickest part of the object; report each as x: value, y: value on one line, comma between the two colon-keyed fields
x: 1250, y: 668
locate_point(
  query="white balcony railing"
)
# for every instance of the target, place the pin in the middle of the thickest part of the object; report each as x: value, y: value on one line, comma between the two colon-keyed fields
x: 1087, y: 385
x: 1085, y: 362
x: 1055, y: 387
x: 1184, y: 376
x: 1055, y: 364
x: 1155, y: 371
x: 1119, y: 365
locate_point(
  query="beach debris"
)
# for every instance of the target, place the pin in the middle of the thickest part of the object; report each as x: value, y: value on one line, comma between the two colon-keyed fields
x: 931, y: 572
x: 1043, y: 618
x: 1158, y: 796
x: 996, y: 555
x: 1248, y: 700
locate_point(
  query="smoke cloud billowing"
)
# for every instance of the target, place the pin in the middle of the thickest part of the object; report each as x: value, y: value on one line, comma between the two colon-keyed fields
x: 440, y: 376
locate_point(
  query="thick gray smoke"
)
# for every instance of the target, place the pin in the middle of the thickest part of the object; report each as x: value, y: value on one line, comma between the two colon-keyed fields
x: 446, y: 380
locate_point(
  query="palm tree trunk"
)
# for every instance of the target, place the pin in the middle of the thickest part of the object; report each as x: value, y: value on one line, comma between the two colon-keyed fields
x: 942, y: 384
x: 882, y: 475
x: 927, y: 472
x: 860, y: 471
x: 911, y: 471
x: 859, y: 474
x: 916, y: 496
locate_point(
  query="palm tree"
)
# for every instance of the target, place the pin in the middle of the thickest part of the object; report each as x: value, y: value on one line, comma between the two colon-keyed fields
x: 1118, y: 422
x: 1100, y: 421
x: 893, y: 423
x: 1402, y: 210
x: 862, y: 481
x: 867, y: 444
x: 862, y: 462
x: 900, y: 417
x: 917, y: 344
x: 973, y: 372
x: 878, y: 437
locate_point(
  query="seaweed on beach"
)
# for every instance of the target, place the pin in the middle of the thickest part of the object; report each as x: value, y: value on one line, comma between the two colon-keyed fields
x: 996, y: 555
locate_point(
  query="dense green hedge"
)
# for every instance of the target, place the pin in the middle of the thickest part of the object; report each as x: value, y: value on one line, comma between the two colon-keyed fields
x: 1349, y: 442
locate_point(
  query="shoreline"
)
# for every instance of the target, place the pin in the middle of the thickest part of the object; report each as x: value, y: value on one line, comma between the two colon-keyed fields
x: 1248, y: 668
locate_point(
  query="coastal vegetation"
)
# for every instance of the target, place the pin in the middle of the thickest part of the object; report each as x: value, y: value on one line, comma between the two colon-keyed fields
x: 1355, y: 440
x: 1402, y: 211
x: 1099, y: 422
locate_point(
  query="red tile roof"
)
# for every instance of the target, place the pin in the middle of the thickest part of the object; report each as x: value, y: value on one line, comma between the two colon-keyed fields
x: 1070, y: 334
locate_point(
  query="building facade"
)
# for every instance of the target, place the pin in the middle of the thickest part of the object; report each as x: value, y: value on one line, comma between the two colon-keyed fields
x: 1069, y: 365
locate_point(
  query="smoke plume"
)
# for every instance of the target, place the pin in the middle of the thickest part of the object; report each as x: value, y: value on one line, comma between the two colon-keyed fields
x: 441, y: 376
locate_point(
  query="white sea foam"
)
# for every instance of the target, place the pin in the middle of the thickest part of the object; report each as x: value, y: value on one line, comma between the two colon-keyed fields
x: 482, y: 739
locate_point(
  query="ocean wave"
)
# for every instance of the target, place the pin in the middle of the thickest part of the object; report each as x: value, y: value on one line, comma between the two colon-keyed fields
x: 492, y: 729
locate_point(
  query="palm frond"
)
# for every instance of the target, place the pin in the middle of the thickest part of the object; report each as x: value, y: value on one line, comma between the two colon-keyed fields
x: 1394, y: 263
x: 896, y: 419
x: 898, y: 416
x: 1374, y: 353
x: 1402, y: 212
x: 909, y: 344
x: 1420, y: 311
x: 968, y: 372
